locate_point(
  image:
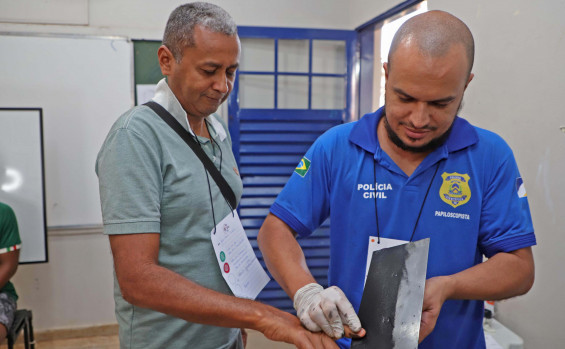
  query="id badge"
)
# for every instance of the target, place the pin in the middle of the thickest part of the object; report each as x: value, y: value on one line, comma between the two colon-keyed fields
x: 376, y: 244
x: 238, y: 263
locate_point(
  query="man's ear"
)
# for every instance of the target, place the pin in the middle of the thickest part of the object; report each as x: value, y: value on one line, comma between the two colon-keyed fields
x: 166, y: 60
x: 385, y: 67
x: 471, y: 76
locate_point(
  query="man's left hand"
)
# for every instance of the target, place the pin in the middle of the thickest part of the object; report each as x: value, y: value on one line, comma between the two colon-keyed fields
x: 435, y: 295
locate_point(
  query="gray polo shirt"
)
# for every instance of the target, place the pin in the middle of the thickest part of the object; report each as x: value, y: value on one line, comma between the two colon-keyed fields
x: 152, y: 182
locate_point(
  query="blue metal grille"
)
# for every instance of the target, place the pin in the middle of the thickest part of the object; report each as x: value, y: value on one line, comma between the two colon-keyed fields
x: 268, y: 143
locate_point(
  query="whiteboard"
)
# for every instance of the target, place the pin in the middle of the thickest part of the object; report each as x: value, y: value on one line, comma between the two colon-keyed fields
x: 21, y: 178
x: 82, y: 84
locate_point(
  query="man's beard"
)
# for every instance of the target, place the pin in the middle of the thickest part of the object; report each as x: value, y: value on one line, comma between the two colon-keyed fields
x: 430, y: 146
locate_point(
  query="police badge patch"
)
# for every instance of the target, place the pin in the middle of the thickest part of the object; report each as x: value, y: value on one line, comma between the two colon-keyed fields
x: 455, y: 189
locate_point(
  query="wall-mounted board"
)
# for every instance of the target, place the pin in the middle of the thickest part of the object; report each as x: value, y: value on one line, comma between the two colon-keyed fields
x: 21, y: 178
x: 82, y: 84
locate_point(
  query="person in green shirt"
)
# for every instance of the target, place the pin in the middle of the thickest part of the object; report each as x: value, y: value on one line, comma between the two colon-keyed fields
x: 159, y: 205
x: 10, y: 244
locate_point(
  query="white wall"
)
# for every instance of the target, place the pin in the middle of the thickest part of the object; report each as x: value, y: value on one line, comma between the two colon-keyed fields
x: 519, y: 84
x: 518, y: 91
x: 145, y: 19
x: 362, y: 11
x: 75, y: 288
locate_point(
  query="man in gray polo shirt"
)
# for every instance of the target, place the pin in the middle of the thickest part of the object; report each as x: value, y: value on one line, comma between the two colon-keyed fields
x: 159, y: 204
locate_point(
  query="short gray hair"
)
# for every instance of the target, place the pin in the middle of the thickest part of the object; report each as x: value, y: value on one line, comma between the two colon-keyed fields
x: 179, y: 32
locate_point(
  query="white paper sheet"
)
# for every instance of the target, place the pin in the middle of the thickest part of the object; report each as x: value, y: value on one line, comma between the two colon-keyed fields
x: 375, y: 245
x: 240, y: 267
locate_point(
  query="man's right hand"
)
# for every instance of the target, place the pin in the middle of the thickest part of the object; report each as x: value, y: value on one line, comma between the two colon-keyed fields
x: 284, y: 327
x: 326, y: 310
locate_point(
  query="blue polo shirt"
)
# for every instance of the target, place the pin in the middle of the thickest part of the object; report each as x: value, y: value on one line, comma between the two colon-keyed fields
x: 476, y: 206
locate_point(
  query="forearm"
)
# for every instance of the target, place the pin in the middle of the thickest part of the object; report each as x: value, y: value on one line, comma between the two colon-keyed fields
x: 319, y: 309
x: 8, y: 266
x: 145, y: 283
x: 504, y: 275
x: 5, y: 275
x: 283, y: 255
x: 165, y: 291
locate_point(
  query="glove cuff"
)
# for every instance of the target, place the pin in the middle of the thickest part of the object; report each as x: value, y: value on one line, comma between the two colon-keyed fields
x: 305, y: 294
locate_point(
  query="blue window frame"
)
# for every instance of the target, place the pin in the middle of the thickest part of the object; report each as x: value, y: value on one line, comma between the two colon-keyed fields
x: 366, y: 39
x: 269, y: 142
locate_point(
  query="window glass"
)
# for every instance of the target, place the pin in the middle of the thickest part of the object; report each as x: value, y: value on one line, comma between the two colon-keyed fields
x: 256, y: 91
x: 293, y: 56
x: 257, y: 55
x: 328, y: 56
x: 328, y: 93
x: 292, y: 92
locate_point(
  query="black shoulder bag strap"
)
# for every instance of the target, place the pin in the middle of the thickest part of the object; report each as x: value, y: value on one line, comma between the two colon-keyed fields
x: 208, y: 164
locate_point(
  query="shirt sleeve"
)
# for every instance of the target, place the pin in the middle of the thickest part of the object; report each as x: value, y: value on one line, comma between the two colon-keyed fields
x: 130, y: 181
x: 9, y: 233
x: 304, y: 202
x: 506, y: 223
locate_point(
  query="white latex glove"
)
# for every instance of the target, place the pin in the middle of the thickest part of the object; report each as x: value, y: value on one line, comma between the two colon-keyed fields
x: 325, y: 310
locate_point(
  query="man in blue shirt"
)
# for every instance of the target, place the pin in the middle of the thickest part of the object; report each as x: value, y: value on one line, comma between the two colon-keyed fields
x: 411, y: 170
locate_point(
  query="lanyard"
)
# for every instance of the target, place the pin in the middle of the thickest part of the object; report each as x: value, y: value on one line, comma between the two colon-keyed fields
x: 194, y: 144
x: 209, y: 166
x: 421, y: 208
x: 207, y: 178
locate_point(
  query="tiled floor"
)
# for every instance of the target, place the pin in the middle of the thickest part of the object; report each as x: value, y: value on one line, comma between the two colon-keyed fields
x: 255, y: 341
x: 99, y: 342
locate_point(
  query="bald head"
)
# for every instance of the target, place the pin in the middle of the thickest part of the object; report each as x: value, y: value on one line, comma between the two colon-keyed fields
x: 434, y: 33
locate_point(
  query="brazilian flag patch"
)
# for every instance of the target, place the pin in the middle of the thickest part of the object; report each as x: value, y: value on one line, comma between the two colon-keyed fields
x: 303, y: 167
